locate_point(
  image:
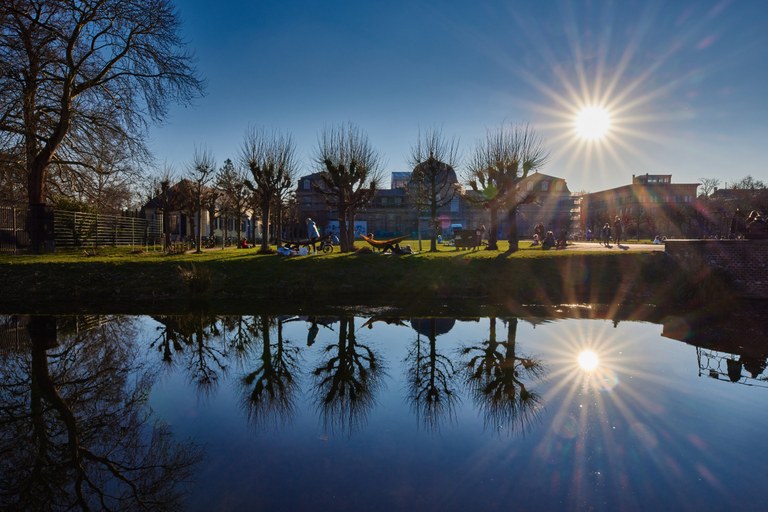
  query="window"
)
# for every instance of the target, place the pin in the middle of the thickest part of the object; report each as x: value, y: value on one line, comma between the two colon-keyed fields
x: 544, y: 186
x: 307, y: 185
x: 455, y: 204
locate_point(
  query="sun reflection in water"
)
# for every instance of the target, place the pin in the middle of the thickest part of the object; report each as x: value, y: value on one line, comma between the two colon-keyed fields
x: 588, y: 360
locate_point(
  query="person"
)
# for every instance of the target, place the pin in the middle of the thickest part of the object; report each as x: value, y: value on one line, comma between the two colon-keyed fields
x: 738, y: 225
x: 480, y: 234
x: 312, y: 233
x: 535, y: 240
x: 605, y: 235
x: 549, y: 240
x: 313, y: 330
x: 589, y: 235
x: 617, y: 230
x: 244, y: 244
x: 657, y: 240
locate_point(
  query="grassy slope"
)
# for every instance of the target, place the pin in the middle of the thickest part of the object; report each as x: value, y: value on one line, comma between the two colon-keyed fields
x: 238, y: 280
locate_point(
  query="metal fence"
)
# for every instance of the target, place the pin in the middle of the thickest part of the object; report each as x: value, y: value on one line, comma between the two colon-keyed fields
x: 13, y: 228
x: 77, y: 229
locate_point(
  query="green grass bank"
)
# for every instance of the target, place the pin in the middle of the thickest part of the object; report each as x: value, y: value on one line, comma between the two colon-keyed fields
x: 240, y: 281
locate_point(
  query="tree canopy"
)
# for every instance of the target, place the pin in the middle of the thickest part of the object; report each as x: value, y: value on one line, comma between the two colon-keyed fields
x: 78, y: 76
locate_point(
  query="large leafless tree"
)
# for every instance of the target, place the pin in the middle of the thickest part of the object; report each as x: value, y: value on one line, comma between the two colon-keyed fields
x: 507, y: 155
x: 75, y: 75
x: 270, y: 156
x: 350, y: 174
x: 433, y: 181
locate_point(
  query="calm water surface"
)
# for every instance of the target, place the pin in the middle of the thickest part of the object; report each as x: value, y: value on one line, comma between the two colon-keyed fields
x: 379, y: 413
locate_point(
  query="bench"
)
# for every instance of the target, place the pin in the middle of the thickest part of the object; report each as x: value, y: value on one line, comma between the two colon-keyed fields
x: 466, y: 239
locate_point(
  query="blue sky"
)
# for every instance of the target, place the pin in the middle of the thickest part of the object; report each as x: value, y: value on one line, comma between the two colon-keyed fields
x: 683, y: 81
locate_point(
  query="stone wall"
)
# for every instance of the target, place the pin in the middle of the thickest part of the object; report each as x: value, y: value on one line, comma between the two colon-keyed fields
x: 746, y: 261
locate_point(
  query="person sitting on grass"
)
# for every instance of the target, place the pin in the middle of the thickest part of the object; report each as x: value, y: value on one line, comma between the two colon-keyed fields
x: 549, y: 241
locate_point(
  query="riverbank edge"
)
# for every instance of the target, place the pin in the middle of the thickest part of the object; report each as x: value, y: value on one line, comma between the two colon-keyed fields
x: 370, y: 281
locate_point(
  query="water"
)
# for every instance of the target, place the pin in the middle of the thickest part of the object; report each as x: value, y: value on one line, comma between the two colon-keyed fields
x: 381, y: 413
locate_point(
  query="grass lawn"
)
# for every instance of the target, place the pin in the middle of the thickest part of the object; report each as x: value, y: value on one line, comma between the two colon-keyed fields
x: 236, y: 279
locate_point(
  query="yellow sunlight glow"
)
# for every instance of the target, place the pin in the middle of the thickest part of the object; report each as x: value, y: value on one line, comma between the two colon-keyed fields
x: 588, y: 360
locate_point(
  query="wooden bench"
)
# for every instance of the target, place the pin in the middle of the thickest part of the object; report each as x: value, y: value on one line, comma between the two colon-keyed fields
x: 466, y: 239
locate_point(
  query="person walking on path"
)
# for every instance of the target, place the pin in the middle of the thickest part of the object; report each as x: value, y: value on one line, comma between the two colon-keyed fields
x: 617, y: 230
x: 605, y: 235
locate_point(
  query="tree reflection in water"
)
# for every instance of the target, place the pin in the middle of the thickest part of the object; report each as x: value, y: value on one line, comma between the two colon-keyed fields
x: 75, y: 431
x: 431, y: 374
x: 495, y: 374
x: 270, y: 388
x: 345, y: 384
x: 194, y: 340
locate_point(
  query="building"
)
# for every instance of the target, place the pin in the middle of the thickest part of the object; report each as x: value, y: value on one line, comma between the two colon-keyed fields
x: 175, y: 207
x: 553, y: 205
x: 651, y: 205
x: 393, y: 212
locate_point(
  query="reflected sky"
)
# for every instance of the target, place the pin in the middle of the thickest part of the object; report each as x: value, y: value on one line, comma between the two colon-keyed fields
x: 369, y: 413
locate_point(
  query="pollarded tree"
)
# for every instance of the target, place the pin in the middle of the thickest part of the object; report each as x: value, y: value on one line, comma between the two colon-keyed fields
x: 76, y: 74
x: 433, y: 182
x: 506, y: 156
x: 201, y: 176
x: 270, y: 156
x: 350, y: 175
x: 236, y: 197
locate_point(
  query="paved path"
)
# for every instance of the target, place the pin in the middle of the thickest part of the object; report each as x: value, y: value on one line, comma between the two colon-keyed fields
x: 626, y: 247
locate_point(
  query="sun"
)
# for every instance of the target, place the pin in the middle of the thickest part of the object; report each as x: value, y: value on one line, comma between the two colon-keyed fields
x: 592, y: 123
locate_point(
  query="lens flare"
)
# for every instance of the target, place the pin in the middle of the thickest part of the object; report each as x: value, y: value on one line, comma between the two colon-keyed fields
x: 588, y: 360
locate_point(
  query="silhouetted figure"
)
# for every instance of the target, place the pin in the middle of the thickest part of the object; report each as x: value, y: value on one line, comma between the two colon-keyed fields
x: 618, y: 230
x: 312, y: 334
x: 734, y: 369
x: 738, y: 224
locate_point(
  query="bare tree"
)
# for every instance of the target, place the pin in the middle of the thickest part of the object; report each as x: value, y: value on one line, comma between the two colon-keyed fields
x: 270, y: 156
x: 350, y: 175
x: 506, y: 156
x: 433, y: 182
x: 201, y: 175
x: 708, y: 185
x: 77, y: 432
x: 76, y: 74
x: 747, y: 183
x: 236, y: 197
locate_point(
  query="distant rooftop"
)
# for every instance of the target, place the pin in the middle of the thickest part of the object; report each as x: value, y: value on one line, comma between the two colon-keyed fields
x: 651, y: 179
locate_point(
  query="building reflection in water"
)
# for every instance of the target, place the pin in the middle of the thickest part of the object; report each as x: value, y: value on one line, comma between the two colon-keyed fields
x: 732, y: 348
x: 75, y: 428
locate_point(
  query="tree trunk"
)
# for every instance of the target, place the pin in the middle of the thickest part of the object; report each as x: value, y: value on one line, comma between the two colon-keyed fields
x: 493, y: 232
x: 199, y: 228
x: 265, y: 212
x: 513, y: 237
x: 433, y: 215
